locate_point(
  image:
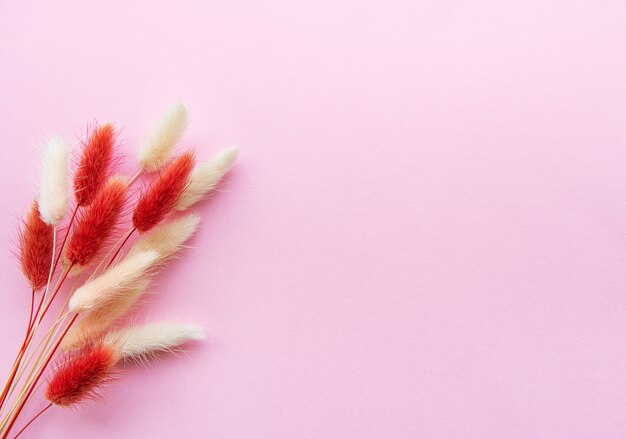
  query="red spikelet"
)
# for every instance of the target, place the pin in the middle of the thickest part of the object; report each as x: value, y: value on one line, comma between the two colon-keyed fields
x: 95, y: 163
x: 81, y: 375
x: 35, y: 248
x: 161, y: 196
x: 96, y: 222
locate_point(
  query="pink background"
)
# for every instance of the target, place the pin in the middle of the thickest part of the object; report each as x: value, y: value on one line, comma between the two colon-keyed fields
x: 425, y: 236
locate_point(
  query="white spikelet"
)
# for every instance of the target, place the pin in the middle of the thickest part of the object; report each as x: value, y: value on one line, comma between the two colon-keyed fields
x: 113, y: 283
x: 143, y: 341
x: 206, y: 176
x: 161, y: 139
x: 167, y: 238
x: 53, y: 194
x: 93, y: 324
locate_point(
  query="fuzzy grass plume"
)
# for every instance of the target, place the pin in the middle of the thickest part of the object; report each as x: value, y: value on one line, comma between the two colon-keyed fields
x: 206, y: 177
x: 81, y: 375
x: 145, y: 341
x: 168, y: 238
x: 53, y: 196
x: 162, y: 195
x: 96, y: 222
x: 94, y: 166
x: 115, y: 281
x: 35, y: 248
x: 157, y: 148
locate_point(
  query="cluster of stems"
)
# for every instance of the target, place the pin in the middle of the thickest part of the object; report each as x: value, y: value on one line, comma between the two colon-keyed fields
x: 35, y: 355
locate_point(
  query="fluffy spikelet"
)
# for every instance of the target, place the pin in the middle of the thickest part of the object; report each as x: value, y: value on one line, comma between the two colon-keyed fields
x: 96, y: 222
x: 144, y: 341
x: 35, y: 248
x: 162, y: 195
x: 168, y: 238
x: 94, y: 166
x: 206, y: 176
x: 157, y: 148
x: 53, y: 197
x: 78, y: 378
x: 113, y: 283
x: 94, y: 323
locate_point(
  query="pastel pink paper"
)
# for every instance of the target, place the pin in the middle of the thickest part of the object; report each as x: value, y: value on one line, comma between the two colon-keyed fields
x: 424, y: 236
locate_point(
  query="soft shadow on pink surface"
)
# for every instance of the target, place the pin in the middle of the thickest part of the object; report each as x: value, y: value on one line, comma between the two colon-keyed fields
x: 424, y: 237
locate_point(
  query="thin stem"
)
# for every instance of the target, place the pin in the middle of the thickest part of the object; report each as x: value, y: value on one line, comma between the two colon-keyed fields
x: 52, y: 332
x: 67, y: 233
x: 32, y: 328
x: 41, y: 412
x: 20, y: 355
x: 128, y: 235
x: 32, y: 309
x: 40, y: 317
x: 132, y: 180
x: 56, y: 290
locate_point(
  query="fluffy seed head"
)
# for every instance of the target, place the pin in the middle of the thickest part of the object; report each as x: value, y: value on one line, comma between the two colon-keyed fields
x: 94, y: 166
x: 53, y: 198
x: 161, y: 139
x: 35, y: 248
x: 78, y: 378
x: 161, y: 196
x: 168, y: 238
x: 206, y: 176
x: 93, y: 324
x: 96, y: 222
x: 144, y: 341
x: 113, y: 283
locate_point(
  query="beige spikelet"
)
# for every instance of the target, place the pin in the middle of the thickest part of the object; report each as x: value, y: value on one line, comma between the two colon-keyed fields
x: 168, y: 238
x: 114, y: 282
x: 144, y: 341
x: 94, y: 323
x: 206, y: 176
x: 157, y: 148
x: 53, y: 194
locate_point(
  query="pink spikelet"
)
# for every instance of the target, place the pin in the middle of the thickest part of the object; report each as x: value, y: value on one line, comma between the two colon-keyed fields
x: 78, y: 378
x: 161, y: 196
x: 96, y: 222
x: 35, y: 248
x: 94, y: 166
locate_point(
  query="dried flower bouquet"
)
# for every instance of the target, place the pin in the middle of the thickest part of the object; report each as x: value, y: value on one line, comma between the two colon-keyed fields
x: 73, y: 354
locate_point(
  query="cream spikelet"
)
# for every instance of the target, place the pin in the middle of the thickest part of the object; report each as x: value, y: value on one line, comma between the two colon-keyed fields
x: 168, y: 238
x: 144, y: 341
x: 206, y: 176
x: 157, y: 148
x: 53, y: 196
x: 114, y: 282
x: 93, y: 324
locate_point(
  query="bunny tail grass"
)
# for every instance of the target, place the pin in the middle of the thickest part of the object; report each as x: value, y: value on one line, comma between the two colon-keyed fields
x: 35, y: 248
x: 96, y: 222
x: 168, y: 238
x: 161, y: 139
x: 79, y: 377
x: 53, y: 197
x: 161, y: 196
x: 94, y: 323
x: 206, y: 176
x: 147, y: 340
x: 113, y: 283
x: 94, y: 165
